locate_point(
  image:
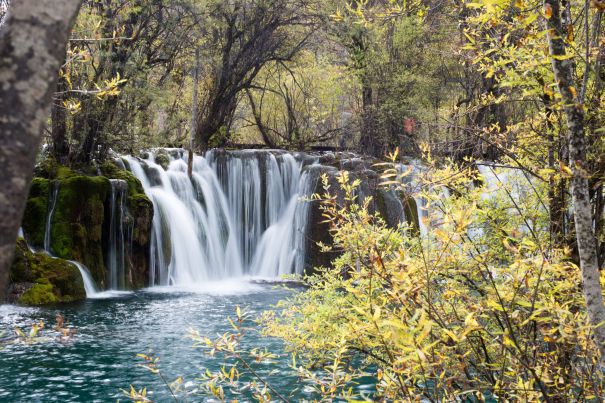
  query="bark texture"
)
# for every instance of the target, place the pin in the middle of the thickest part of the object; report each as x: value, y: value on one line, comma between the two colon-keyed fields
x: 563, y: 68
x: 32, y: 49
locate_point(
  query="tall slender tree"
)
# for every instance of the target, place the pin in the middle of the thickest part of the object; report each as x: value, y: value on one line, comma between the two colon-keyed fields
x: 574, y: 110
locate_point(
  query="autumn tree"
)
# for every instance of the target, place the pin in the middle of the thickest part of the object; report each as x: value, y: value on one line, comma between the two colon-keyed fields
x: 545, y: 59
x: 120, y: 57
x: 573, y: 106
x: 298, y: 105
x: 406, y: 68
x: 243, y: 36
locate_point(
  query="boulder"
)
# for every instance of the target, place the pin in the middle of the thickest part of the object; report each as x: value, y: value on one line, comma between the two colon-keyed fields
x: 38, y: 279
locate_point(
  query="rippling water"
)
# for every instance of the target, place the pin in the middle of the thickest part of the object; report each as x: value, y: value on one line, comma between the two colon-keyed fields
x: 110, y: 332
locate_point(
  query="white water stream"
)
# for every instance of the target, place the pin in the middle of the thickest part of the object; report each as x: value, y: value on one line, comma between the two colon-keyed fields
x: 239, y: 215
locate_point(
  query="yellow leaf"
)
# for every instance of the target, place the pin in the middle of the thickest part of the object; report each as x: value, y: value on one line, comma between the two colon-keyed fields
x: 565, y: 169
x: 573, y: 91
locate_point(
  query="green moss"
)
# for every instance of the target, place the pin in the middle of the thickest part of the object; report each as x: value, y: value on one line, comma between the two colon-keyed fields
x: 34, y: 220
x: 49, y: 168
x: 77, y: 226
x: 52, y: 280
x: 39, y: 187
x: 64, y: 172
x: 162, y: 159
x: 112, y: 171
x: 36, y: 207
x: 80, y: 223
x: 39, y: 294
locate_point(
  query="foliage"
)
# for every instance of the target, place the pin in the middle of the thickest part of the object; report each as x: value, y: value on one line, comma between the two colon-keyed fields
x: 305, y: 103
x: 480, y: 307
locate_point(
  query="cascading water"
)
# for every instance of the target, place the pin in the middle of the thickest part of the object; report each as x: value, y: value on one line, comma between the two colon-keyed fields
x: 286, y: 217
x: 89, y: 284
x: 238, y: 215
x: 52, y: 204
x: 117, y: 239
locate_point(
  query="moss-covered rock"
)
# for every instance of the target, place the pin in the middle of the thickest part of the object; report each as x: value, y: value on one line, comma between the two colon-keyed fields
x: 38, y: 279
x: 139, y: 217
x: 36, y: 208
x: 38, y: 294
x: 110, y: 170
x: 77, y: 223
x: 80, y: 224
x: 162, y: 159
x: 49, y: 168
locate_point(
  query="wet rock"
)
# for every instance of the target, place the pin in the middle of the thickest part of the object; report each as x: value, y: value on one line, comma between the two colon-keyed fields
x: 80, y: 224
x: 38, y: 279
x: 162, y: 158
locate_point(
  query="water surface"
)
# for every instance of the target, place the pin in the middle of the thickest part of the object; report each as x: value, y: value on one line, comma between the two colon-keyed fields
x: 110, y: 332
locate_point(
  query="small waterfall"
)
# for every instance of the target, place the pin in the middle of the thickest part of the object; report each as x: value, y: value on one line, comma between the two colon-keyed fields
x: 89, y: 284
x: 117, y: 241
x: 408, y: 174
x: 238, y: 215
x: 423, y: 214
x: 52, y: 204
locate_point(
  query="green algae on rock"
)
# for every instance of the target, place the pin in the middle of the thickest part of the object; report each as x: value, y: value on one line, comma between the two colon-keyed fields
x: 80, y: 225
x: 77, y: 225
x: 38, y: 279
x: 36, y: 208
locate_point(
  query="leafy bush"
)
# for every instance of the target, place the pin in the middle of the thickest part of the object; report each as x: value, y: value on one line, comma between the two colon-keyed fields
x: 480, y: 306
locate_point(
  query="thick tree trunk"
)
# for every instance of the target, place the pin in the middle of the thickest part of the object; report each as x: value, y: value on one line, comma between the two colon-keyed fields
x: 32, y: 49
x: 587, y: 245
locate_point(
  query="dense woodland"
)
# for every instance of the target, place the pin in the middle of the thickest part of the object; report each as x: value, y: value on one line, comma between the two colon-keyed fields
x: 513, y: 312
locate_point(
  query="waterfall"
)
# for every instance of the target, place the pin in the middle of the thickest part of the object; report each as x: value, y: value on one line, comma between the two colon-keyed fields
x: 89, y: 284
x: 117, y: 240
x: 282, y: 246
x: 52, y: 203
x: 240, y: 214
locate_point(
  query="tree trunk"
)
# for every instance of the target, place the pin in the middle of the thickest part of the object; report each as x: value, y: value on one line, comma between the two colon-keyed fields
x: 194, y: 101
x: 587, y: 245
x: 58, y: 117
x: 32, y: 48
x: 368, y: 142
